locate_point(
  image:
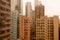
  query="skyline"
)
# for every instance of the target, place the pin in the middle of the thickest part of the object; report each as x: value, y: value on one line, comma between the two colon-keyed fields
x: 50, y: 10
x: 34, y: 25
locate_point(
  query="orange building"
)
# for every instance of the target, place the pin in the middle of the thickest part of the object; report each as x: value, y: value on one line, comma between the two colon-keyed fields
x: 25, y: 24
x: 5, y: 12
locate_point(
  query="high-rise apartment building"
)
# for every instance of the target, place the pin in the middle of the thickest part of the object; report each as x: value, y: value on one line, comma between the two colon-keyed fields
x: 47, y: 28
x: 33, y: 26
x: 28, y: 9
x: 36, y: 2
x: 20, y: 6
x: 14, y: 25
x: 30, y: 13
x: 5, y: 13
x: 25, y: 24
x: 39, y: 10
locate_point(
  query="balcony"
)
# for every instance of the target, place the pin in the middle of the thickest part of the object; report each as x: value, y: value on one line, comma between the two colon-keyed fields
x: 7, y: 22
x: 2, y: 35
x: 8, y: 38
x: 4, y: 28
x: 1, y: 17
x: 7, y: 18
x: 6, y: 1
x: 5, y: 12
x: 5, y: 6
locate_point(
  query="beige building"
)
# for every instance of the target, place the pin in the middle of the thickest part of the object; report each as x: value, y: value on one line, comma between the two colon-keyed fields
x: 36, y: 2
x: 20, y: 6
x: 47, y: 28
x: 28, y: 9
x: 31, y: 13
x: 25, y: 24
x: 39, y: 10
x: 13, y: 4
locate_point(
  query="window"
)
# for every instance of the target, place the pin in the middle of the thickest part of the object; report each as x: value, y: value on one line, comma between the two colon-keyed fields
x: 2, y: 25
x: 0, y: 20
x: 8, y: 20
x: 8, y: 25
x: 1, y: 38
x: 2, y: 32
x: 8, y: 4
x: 2, y: 14
x: 8, y: 30
x: 8, y: 10
x: 3, y: 3
x: 26, y: 33
x: 8, y: 39
x: 2, y: 8
x: 7, y: 15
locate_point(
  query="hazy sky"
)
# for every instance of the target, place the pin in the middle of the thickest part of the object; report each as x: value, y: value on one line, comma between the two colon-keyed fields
x: 52, y: 7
